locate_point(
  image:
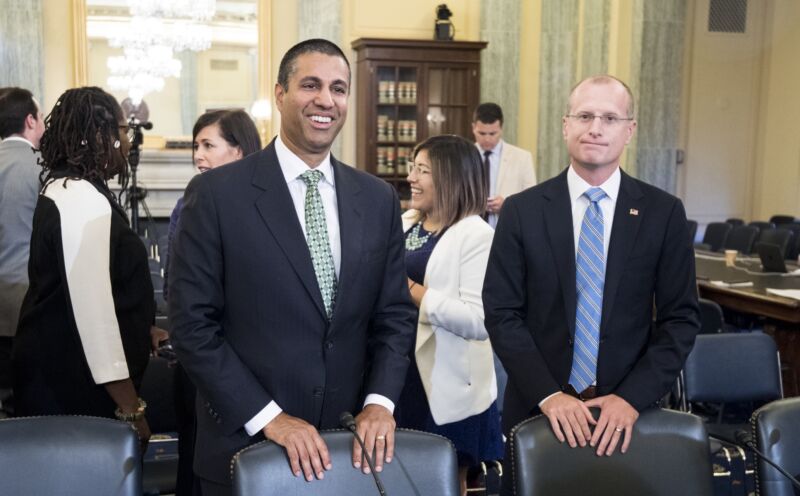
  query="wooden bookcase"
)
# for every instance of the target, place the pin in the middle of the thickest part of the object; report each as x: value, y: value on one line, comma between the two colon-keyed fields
x: 408, y: 90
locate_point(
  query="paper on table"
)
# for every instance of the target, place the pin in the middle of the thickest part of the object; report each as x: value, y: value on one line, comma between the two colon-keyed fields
x: 786, y: 293
x: 737, y: 284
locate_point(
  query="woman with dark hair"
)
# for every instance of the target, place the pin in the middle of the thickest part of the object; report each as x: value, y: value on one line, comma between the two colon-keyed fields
x: 83, y: 339
x: 451, y: 387
x: 218, y: 138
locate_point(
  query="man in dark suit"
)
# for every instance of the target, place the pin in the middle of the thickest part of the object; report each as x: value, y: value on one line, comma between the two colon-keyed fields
x: 577, y: 264
x: 288, y: 293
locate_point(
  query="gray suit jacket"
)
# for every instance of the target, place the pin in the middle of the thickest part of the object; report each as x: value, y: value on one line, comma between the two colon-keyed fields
x: 19, y: 190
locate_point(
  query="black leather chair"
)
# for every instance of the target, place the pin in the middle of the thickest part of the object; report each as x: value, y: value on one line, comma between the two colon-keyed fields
x: 793, y: 249
x: 731, y: 368
x: 69, y: 456
x: 780, y: 237
x: 781, y: 219
x: 733, y: 221
x: 711, y: 317
x: 776, y: 429
x: 742, y: 238
x: 668, y: 455
x: 761, y: 225
x: 716, y: 234
x: 423, y: 464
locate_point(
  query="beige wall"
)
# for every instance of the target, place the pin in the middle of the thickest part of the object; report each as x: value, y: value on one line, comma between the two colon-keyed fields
x: 777, y: 177
x: 59, y: 58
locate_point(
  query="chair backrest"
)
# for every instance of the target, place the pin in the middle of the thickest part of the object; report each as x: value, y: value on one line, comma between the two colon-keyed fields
x: 423, y: 464
x: 779, y: 237
x: 711, y: 318
x: 733, y: 367
x: 761, y: 225
x: 781, y: 219
x: 734, y: 221
x: 668, y: 455
x: 716, y: 234
x: 777, y: 434
x: 69, y: 456
x: 742, y: 238
x: 692, y: 225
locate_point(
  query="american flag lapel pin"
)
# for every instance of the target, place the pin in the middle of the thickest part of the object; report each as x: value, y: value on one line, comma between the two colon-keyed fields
x: 633, y: 211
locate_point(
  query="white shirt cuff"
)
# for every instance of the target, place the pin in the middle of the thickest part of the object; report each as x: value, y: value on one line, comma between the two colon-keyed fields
x: 379, y: 399
x: 262, y: 418
x: 547, y: 398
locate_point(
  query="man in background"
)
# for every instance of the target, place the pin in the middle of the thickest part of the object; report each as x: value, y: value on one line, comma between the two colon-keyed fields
x: 509, y: 168
x: 21, y: 128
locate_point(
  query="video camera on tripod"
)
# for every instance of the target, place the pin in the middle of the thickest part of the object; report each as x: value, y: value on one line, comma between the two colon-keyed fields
x: 137, y: 116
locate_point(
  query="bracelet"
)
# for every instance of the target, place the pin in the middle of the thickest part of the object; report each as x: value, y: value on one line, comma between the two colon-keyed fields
x: 413, y: 283
x: 132, y: 416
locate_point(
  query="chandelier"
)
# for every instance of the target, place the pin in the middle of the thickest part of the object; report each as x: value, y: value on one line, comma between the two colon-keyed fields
x: 156, y: 31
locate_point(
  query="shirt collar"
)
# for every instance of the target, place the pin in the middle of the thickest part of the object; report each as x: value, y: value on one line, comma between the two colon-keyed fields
x: 498, y: 148
x: 19, y: 138
x: 577, y: 186
x: 293, y: 166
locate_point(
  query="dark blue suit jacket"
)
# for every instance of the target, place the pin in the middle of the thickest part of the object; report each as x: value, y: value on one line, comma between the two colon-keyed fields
x: 530, y: 301
x: 248, y: 322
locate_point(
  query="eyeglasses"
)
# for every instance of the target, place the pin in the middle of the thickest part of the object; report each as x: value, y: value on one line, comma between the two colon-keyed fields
x: 129, y: 131
x: 607, y: 119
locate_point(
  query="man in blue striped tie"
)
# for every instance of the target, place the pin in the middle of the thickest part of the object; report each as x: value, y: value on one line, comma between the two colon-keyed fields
x: 576, y: 267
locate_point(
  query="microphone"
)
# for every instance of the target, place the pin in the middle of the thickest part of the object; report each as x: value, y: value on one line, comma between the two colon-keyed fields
x: 743, y: 438
x: 347, y: 421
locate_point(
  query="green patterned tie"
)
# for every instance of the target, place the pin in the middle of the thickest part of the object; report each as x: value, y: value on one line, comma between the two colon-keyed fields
x: 317, y: 239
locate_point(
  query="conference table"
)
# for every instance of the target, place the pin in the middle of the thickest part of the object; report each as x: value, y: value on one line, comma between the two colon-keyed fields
x: 744, y: 288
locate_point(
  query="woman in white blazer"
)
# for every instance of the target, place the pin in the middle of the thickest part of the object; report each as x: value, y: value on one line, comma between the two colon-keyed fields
x: 451, y: 389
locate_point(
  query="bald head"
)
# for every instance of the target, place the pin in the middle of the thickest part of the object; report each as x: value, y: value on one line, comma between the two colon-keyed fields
x: 603, y: 79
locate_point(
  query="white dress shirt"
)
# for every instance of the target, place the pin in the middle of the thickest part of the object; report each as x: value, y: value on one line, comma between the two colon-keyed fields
x: 293, y: 167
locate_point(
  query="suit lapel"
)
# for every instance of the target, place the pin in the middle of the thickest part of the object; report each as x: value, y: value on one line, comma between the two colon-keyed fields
x: 277, y: 211
x: 503, y: 170
x: 350, y: 230
x: 558, y: 221
x: 628, y: 214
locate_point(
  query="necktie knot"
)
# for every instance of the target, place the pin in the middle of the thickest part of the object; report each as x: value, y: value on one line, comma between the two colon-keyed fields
x: 595, y: 194
x: 486, y: 153
x: 311, y: 177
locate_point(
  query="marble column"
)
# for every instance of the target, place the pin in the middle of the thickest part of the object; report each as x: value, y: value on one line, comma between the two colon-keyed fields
x: 323, y: 19
x: 657, y: 67
x: 558, y: 55
x: 500, y: 77
x: 21, y: 45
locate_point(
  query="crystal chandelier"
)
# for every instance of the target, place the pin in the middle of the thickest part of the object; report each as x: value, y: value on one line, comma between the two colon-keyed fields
x: 156, y: 31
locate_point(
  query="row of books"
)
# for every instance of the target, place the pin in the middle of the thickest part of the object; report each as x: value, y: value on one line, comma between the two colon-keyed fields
x: 397, y: 92
x: 406, y: 130
x: 390, y: 162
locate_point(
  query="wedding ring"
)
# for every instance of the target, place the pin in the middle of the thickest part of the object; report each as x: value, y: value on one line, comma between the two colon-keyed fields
x: 618, y: 429
x: 381, y: 438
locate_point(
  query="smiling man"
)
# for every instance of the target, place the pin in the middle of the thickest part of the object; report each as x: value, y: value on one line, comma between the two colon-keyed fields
x: 288, y: 297
x: 577, y: 264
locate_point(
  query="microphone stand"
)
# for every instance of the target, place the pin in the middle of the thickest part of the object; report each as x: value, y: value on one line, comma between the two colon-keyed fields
x: 348, y: 422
